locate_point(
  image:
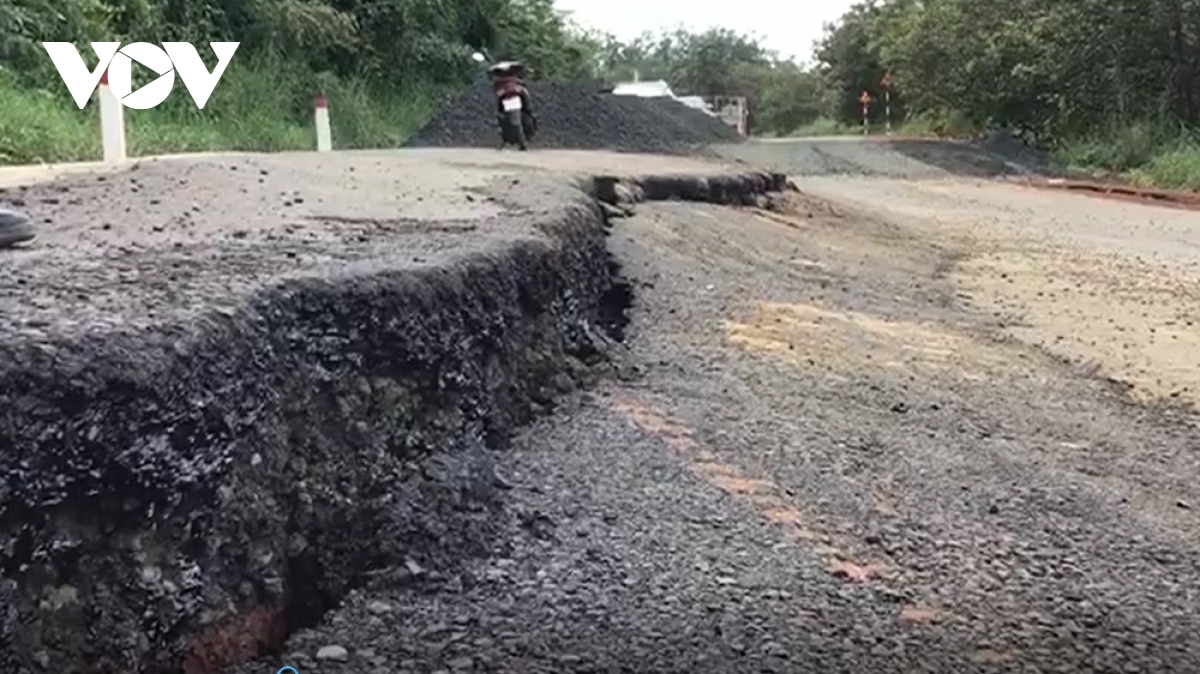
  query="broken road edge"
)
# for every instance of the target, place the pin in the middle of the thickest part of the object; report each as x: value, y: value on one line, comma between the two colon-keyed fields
x: 182, y: 504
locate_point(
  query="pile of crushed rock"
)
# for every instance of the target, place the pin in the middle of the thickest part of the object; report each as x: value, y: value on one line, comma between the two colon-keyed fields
x: 576, y: 115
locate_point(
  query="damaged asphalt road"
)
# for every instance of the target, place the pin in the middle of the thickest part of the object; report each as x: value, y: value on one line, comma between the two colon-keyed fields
x: 821, y: 457
x: 888, y: 427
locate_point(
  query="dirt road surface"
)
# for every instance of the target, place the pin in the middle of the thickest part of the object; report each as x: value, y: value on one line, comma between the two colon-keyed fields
x: 886, y: 431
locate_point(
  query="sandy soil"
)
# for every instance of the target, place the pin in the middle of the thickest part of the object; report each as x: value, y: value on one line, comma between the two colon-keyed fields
x: 1092, y: 280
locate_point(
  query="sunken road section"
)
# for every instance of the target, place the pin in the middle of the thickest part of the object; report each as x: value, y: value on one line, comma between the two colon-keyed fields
x: 210, y: 433
x: 577, y: 115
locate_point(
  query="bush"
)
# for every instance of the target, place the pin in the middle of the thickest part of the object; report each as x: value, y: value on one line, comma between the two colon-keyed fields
x: 952, y: 124
x: 1152, y: 153
x: 825, y: 127
x: 1116, y: 147
x: 1177, y: 168
x: 38, y: 126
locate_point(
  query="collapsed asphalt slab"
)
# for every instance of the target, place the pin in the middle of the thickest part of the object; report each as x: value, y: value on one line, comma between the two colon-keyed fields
x: 233, y: 387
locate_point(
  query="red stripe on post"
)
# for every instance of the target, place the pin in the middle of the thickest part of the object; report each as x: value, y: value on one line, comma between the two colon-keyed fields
x: 322, y: 102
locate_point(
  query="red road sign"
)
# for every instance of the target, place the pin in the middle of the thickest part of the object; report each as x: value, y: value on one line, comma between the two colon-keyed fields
x: 865, y: 98
x: 886, y: 82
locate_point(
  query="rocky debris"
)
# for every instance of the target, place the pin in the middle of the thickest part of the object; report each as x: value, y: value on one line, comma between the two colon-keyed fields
x: 333, y: 654
x: 651, y: 571
x: 1006, y: 144
x: 575, y: 115
x: 748, y: 188
x: 380, y: 607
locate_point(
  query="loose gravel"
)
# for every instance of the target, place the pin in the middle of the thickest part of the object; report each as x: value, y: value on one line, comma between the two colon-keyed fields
x: 910, y: 159
x: 574, y: 115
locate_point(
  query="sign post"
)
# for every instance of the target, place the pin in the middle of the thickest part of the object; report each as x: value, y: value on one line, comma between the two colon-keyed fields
x: 865, y: 99
x: 886, y: 85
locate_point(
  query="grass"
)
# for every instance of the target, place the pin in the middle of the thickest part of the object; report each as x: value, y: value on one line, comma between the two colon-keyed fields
x: 261, y: 105
x: 1150, y: 154
x: 1176, y: 168
x: 949, y: 125
x: 826, y: 127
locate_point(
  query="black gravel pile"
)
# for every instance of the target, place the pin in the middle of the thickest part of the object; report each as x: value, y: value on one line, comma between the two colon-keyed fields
x: 577, y: 116
x: 1006, y: 145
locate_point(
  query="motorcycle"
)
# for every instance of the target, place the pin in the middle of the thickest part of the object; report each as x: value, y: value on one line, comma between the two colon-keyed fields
x: 514, y: 113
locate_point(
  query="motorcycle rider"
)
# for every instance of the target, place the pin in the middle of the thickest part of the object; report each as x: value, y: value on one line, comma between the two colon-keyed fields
x: 505, y: 84
x: 507, y: 79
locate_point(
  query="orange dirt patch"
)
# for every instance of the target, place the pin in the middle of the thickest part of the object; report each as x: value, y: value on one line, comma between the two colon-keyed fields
x: 846, y: 342
x: 1176, y: 199
x: 988, y: 656
x: 785, y: 515
x: 764, y: 494
x: 240, y: 638
x: 919, y: 615
x: 857, y: 573
x: 784, y: 220
x: 742, y: 485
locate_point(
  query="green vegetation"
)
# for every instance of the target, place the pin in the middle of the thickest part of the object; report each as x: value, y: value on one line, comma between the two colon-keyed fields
x: 384, y: 65
x: 1109, y: 85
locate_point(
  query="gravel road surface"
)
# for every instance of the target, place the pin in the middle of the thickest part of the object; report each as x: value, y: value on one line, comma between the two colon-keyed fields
x: 864, y: 435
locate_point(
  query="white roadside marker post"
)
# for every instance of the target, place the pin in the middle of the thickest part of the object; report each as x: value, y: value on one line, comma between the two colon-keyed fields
x: 886, y: 83
x: 887, y: 101
x: 865, y: 99
x: 324, y: 135
x: 112, y: 123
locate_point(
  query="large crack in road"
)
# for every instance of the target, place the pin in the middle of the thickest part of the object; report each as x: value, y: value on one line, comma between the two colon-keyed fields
x: 829, y: 452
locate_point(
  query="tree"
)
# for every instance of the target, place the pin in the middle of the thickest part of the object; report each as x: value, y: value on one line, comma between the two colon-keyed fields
x: 1050, y: 68
x: 719, y: 62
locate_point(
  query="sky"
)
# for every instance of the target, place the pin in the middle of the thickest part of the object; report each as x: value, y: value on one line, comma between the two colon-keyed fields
x: 787, y: 26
